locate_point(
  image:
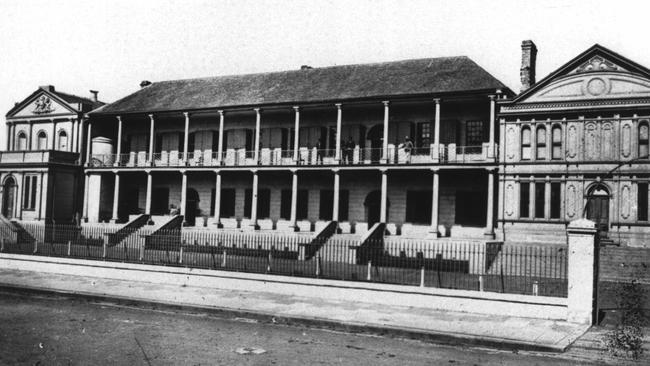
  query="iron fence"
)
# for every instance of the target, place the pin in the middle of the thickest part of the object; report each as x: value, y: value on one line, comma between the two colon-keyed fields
x: 478, y: 266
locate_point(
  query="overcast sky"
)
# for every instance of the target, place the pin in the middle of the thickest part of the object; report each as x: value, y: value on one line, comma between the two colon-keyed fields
x: 113, y: 45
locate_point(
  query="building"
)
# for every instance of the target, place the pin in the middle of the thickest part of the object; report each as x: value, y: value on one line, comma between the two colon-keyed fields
x: 40, y: 169
x: 576, y: 144
x: 411, y: 144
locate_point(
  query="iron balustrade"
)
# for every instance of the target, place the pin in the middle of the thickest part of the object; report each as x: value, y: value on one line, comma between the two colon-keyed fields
x: 395, y: 155
x: 453, y: 264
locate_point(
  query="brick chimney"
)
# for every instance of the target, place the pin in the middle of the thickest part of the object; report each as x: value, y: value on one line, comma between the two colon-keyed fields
x: 49, y: 88
x: 528, y: 60
x: 94, y: 93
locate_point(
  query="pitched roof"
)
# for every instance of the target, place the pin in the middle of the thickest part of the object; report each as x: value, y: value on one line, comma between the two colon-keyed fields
x: 336, y: 83
x: 87, y: 104
x: 70, y: 98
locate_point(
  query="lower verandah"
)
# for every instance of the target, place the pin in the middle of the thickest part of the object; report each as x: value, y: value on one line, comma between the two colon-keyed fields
x: 462, y: 207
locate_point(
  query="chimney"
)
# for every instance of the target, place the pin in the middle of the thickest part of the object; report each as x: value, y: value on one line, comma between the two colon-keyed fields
x: 528, y: 60
x: 145, y: 83
x: 94, y: 93
x: 49, y: 88
x: 305, y: 67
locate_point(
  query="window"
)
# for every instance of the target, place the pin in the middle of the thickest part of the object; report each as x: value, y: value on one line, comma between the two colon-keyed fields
x: 525, y: 143
x: 191, y: 138
x: 540, y: 202
x: 158, y: 144
x: 643, y: 140
x: 63, y: 141
x: 540, y: 142
x: 227, y: 208
x: 474, y: 133
x: 42, y: 140
x: 418, y: 207
x: 21, y: 143
x: 29, y: 192
x: 301, y: 204
x: 524, y: 199
x: 556, y: 200
x: 423, y: 137
x: 642, y: 204
x: 326, y: 206
x: 263, y: 203
x: 557, y: 142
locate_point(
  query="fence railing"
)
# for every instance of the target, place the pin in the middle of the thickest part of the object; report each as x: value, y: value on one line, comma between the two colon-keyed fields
x: 478, y: 266
x: 441, y: 154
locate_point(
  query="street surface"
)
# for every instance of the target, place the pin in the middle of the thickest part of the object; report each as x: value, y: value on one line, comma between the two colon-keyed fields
x: 57, y: 330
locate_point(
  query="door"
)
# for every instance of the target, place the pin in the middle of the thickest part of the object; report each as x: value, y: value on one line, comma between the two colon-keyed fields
x: 373, y: 207
x: 598, y: 210
x: 375, y: 135
x: 191, y: 206
x: 9, y: 198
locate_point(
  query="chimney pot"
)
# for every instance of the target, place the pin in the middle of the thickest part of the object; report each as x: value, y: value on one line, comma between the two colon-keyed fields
x: 94, y: 93
x: 305, y: 67
x: 528, y: 64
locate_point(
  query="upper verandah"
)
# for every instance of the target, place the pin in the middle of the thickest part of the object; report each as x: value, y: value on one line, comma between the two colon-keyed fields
x: 335, y: 84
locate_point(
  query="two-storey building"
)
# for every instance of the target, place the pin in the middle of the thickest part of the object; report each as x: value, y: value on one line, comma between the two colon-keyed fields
x: 412, y: 144
x: 40, y: 168
x: 575, y: 145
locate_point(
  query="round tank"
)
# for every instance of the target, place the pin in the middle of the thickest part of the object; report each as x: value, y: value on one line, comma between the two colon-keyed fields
x: 102, y: 145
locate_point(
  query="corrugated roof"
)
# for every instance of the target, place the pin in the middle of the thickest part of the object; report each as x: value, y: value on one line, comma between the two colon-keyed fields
x: 336, y: 83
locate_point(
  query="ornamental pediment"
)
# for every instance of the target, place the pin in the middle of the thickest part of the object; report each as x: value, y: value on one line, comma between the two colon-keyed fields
x: 587, y: 85
x: 42, y: 105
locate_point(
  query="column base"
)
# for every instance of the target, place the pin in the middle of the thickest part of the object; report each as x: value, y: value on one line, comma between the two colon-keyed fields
x: 295, y: 228
x: 255, y: 226
x: 489, y: 234
x: 219, y: 225
x: 150, y: 222
x: 114, y: 221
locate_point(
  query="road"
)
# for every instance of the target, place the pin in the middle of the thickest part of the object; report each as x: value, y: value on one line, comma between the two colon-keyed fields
x: 57, y: 330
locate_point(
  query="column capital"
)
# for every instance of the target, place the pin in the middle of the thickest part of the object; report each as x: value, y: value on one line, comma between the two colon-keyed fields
x: 293, y: 170
x: 186, y: 114
x: 115, y: 171
x: 221, y: 112
x: 335, y: 170
x: 383, y: 170
x: 182, y: 171
x: 254, y: 171
x: 435, y: 170
x: 119, y: 119
x: 148, y: 171
x: 296, y: 108
x: 338, y: 105
x: 492, y: 97
x: 385, y: 103
x: 491, y: 169
x: 217, y: 171
x: 150, y: 116
x: 257, y: 110
x: 436, y: 100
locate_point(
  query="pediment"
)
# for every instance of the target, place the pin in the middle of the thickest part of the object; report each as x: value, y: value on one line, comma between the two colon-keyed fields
x: 593, y: 85
x: 41, y: 104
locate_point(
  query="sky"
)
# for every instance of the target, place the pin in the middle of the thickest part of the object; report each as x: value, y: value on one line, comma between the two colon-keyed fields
x: 111, y: 46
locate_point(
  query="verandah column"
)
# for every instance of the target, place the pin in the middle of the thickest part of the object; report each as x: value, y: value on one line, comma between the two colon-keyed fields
x: 339, y: 116
x: 88, y: 142
x: 151, y: 138
x: 434, y: 202
x: 335, y: 204
x: 184, y: 196
x: 116, y: 195
x: 254, y: 202
x: 52, y: 143
x: 257, y: 135
x: 147, y: 207
x: 296, y: 135
x: 185, y: 136
x: 492, y: 148
x: 85, y: 204
x: 489, y: 227
x: 217, y: 200
x: 119, y: 142
x: 294, y: 200
x: 384, y: 155
x: 384, y: 196
x: 220, y: 147
x: 436, y: 129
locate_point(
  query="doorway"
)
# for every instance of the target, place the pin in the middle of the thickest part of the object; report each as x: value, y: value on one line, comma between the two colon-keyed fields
x: 376, y: 137
x: 8, y: 198
x: 191, y: 206
x: 373, y: 207
x: 598, y: 208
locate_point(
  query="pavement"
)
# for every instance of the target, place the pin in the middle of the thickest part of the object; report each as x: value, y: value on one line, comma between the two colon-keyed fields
x: 445, y: 327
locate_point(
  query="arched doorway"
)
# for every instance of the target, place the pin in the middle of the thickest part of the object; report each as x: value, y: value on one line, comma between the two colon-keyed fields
x: 598, y: 207
x: 191, y: 206
x: 376, y: 137
x: 373, y: 207
x: 8, y: 197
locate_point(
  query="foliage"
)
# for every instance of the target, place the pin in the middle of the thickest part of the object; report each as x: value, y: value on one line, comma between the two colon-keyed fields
x: 626, y: 339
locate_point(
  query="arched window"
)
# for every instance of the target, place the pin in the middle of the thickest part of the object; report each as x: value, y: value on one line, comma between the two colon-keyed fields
x: 42, y: 140
x: 21, y: 142
x: 540, y: 142
x: 557, y: 142
x: 643, y: 140
x: 525, y: 143
x: 63, y: 141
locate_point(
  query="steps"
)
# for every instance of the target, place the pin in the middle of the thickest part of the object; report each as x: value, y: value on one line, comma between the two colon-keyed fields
x: 127, y: 230
x: 337, y: 247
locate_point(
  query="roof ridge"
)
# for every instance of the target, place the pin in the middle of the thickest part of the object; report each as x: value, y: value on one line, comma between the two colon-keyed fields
x: 314, y: 68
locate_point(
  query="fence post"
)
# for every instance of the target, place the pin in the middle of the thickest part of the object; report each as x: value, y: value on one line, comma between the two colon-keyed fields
x: 369, y: 276
x: 69, y: 247
x: 142, y: 252
x: 582, y: 279
x: 2, y: 244
x: 318, y: 269
x: 104, y: 249
x: 535, y: 288
x: 422, y: 277
x: 223, y: 260
x: 268, y: 263
x: 481, y: 283
x: 35, y: 247
x: 180, y: 255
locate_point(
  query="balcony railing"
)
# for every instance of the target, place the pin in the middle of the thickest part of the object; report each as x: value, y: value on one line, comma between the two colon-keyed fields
x: 38, y: 157
x: 394, y: 155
